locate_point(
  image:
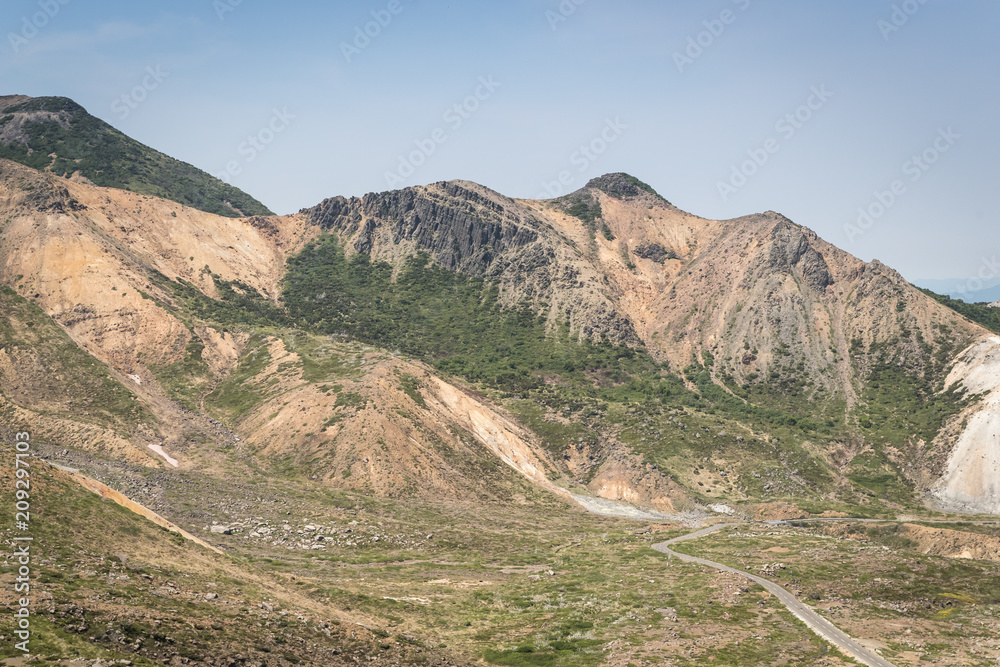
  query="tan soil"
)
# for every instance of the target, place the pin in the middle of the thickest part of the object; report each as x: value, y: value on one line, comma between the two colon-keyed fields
x: 953, y: 543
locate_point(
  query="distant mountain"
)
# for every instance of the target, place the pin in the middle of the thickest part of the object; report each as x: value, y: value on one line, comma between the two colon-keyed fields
x: 956, y: 288
x: 58, y: 135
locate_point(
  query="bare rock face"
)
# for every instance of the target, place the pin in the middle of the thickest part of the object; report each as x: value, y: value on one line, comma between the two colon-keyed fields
x: 467, y: 228
x: 655, y: 252
x: 791, y: 249
x: 971, y: 478
x: 89, y: 257
x: 464, y: 227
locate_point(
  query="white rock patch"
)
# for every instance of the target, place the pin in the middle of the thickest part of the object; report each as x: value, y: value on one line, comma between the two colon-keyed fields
x: 166, y: 457
x: 971, y: 481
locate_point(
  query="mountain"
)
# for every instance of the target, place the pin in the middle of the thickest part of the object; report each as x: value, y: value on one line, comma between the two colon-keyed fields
x: 757, y: 319
x: 58, y: 135
x: 957, y: 288
x: 389, y: 414
x: 420, y: 426
x: 615, y: 260
x: 605, y: 343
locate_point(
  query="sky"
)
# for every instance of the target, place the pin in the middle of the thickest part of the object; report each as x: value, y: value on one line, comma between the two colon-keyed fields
x: 872, y: 122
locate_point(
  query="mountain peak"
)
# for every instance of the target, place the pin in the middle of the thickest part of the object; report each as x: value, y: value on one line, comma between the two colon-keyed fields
x: 57, y: 135
x: 11, y: 100
x: 51, y: 103
x: 621, y: 186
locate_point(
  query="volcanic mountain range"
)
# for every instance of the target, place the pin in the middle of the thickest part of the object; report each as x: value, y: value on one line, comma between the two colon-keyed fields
x: 760, y: 307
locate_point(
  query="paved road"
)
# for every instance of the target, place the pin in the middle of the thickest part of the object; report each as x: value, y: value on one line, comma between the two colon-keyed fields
x: 806, y: 614
x: 818, y: 519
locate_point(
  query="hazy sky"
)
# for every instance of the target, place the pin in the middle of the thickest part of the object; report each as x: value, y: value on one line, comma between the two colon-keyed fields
x: 727, y: 107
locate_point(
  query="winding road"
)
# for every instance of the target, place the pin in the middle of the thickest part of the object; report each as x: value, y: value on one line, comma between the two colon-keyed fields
x: 822, y: 627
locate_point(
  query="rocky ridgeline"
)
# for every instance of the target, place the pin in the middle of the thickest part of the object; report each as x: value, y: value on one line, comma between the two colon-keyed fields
x: 463, y: 226
x: 473, y: 230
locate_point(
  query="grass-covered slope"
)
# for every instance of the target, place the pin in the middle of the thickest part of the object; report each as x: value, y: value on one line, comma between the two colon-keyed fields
x: 444, y: 317
x: 58, y: 135
x: 107, y: 585
x: 44, y: 371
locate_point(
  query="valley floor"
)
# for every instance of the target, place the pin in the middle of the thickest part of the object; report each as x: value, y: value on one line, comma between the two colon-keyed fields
x: 534, y: 582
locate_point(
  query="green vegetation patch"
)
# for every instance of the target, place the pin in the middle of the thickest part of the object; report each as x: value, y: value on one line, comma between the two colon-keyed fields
x: 187, y: 378
x: 622, y: 186
x: 980, y: 313
x: 411, y: 387
x: 588, y: 213
x: 237, y: 303
x: 239, y: 393
x: 450, y: 320
x: 905, y: 400
x: 109, y: 158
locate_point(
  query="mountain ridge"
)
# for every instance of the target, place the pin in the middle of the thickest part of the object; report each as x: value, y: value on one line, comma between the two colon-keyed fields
x: 756, y: 312
x: 429, y: 426
x: 57, y: 134
x: 364, y: 398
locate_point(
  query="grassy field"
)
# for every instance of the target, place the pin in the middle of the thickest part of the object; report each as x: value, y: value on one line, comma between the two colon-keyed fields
x: 534, y: 583
x: 540, y: 584
x: 108, y: 584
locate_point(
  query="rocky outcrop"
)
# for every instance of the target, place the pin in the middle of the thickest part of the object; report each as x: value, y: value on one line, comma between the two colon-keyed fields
x: 655, y: 252
x: 464, y: 227
x: 791, y: 249
x: 622, y: 186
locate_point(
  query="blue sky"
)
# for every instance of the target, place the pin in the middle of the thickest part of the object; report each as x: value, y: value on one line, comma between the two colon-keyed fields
x: 726, y: 107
